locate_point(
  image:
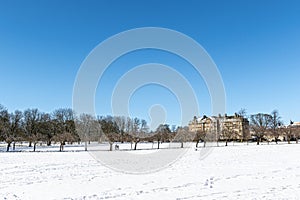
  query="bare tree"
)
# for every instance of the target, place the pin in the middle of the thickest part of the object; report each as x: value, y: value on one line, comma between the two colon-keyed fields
x: 182, y: 135
x: 162, y: 133
x: 84, y: 127
x: 121, y: 123
x: 200, y: 136
x: 260, y: 123
x: 110, y: 129
x: 144, y: 126
x: 3, y: 118
x: 46, y: 127
x: 297, y: 133
x: 65, y: 130
x: 291, y: 132
x: 31, y: 121
x: 4, y: 125
x: 96, y: 133
x: 228, y: 132
x: 15, y: 129
x: 129, y: 130
x: 141, y: 132
x: 275, y: 124
x: 136, y: 132
x: 242, y: 112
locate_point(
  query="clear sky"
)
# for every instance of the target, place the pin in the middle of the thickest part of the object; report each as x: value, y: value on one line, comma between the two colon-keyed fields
x: 255, y: 44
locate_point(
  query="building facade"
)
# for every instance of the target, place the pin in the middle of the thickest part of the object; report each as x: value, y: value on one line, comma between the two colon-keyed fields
x: 219, y: 127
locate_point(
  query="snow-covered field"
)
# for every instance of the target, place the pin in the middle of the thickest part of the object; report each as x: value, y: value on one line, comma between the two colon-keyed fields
x: 233, y: 172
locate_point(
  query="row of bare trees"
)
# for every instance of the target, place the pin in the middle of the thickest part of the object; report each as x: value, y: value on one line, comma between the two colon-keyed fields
x: 270, y: 127
x: 35, y: 126
x: 111, y: 129
x: 125, y: 129
x: 64, y: 126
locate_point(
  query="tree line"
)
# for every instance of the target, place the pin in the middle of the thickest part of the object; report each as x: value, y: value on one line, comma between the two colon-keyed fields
x: 270, y: 126
x: 34, y: 126
x: 63, y: 126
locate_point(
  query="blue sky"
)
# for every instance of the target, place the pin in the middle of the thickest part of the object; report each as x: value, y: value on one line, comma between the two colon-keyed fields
x: 255, y: 44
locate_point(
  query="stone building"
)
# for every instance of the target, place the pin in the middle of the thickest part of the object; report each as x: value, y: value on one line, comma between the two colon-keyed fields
x: 215, y: 126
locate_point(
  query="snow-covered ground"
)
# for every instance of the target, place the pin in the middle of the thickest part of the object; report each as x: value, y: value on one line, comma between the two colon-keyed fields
x: 233, y: 172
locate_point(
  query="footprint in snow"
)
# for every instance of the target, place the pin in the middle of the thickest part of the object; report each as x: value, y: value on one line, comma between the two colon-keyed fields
x: 209, y: 182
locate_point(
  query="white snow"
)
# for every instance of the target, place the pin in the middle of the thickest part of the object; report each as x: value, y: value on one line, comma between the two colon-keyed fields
x: 233, y: 172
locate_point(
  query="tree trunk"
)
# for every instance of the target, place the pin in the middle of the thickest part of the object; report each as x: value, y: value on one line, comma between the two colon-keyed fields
x: 34, y: 145
x: 49, y: 143
x: 14, y: 146
x: 85, y: 145
x: 276, y: 140
x: 110, y: 146
x: 135, y: 145
x: 258, y: 139
x: 197, y: 143
x: 61, y: 147
x: 226, y: 144
x: 8, y: 146
x: 204, y: 144
x: 30, y: 144
x: 158, y: 144
x: 181, y: 144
